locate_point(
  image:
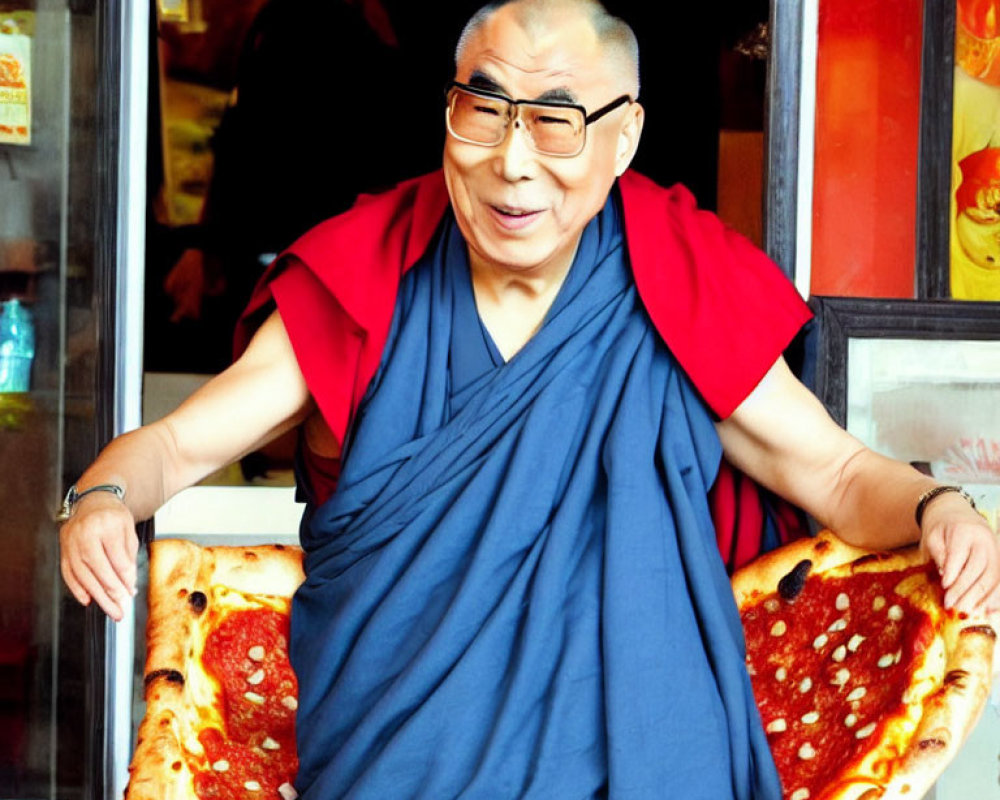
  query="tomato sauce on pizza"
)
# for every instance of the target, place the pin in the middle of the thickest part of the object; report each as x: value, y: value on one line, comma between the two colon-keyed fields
x: 247, y: 653
x: 221, y: 696
x: 865, y: 683
x: 825, y: 687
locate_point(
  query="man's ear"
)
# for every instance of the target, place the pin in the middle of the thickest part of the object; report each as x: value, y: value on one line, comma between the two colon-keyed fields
x: 628, y: 137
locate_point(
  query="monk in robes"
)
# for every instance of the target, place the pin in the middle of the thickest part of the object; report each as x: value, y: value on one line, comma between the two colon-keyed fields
x: 522, y: 372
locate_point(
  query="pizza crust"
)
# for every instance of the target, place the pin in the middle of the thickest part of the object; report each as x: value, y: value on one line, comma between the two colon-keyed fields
x: 181, y: 577
x: 963, y: 679
x: 950, y: 714
x: 825, y: 551
x: 266, y: 569
x: 159, y: 770
x: 183, y: 580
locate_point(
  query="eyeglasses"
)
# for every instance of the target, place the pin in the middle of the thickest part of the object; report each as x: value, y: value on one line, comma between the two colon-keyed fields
x: 554, y: 129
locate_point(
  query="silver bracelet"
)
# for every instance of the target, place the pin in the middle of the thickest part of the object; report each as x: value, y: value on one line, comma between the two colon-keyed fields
x: 73, y: 497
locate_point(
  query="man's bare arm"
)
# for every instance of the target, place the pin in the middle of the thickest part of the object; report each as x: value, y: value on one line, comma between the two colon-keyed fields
x: 782, y: 437
x: 258, y: 398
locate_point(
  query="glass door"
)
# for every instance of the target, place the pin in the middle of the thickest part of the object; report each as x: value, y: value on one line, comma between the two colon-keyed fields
x: 65, y: 239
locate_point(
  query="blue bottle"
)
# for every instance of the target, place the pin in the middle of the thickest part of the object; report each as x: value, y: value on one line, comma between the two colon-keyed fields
x: 17, y: 347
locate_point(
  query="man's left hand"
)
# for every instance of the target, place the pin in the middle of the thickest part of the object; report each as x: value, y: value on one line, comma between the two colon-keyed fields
x: 782, y: 437
x: 967, y: 554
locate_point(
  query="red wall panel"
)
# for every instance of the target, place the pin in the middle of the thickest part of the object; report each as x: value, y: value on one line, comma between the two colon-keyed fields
x: 867, y: 128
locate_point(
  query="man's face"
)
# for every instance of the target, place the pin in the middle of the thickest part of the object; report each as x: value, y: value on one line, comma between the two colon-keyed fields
x: 518, y: 210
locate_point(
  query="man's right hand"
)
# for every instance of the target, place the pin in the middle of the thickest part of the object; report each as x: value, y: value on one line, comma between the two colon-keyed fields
x: 257, y: 399
x: 98, y: 553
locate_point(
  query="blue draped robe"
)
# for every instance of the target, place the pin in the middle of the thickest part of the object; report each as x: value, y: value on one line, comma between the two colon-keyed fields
x: 515, y: 590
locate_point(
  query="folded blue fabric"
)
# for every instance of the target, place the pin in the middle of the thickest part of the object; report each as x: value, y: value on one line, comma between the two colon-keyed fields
x: 515, y: 591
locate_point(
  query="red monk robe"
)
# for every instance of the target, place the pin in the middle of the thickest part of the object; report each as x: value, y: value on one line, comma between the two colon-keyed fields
x: 722, y: 306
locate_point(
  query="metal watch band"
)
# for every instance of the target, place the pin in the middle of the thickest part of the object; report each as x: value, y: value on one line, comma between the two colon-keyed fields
x: 73, y: 497
x: 930, y: 494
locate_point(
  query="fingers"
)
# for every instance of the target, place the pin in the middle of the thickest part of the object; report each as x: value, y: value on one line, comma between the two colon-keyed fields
x: 121, y: 555
x: 991, y: 605
x: 74, y: 586
x: 965, y: 564
x: 969, y: 586
x: 104, y: 597
x: 98, y: 560
x: 986, y: 601
x: 968, y: 559
x: 935, y: 546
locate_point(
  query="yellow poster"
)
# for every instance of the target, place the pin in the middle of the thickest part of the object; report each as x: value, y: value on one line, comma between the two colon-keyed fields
x: 15, y: 77
x: 975, y: 181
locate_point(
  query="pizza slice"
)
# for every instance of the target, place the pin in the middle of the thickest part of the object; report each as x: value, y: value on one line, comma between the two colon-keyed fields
x: 866, y: 685
x: 220, y: 692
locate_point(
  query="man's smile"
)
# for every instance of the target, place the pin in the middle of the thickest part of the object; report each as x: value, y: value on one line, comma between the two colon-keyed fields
x: 513, y: 217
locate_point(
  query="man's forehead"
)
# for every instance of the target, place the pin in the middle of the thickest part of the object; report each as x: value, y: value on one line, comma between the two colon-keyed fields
x: 558, y: 51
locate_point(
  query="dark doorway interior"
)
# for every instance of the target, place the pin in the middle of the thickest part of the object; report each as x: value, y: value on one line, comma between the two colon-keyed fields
x: 299, y: 140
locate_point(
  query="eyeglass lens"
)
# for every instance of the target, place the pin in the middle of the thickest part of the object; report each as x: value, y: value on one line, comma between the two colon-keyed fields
x: 484, y: 120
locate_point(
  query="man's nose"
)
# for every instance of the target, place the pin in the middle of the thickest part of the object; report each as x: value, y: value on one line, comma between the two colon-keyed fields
x: 515, y: 155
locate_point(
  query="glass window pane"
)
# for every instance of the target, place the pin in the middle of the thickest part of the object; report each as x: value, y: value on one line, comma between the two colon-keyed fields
x: 48, y: 188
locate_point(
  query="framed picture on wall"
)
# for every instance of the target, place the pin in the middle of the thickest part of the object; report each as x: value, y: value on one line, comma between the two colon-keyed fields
x: 918, y: 381
x: 868, y: 346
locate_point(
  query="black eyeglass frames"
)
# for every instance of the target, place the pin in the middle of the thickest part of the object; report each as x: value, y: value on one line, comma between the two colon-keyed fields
x: 481, y: 117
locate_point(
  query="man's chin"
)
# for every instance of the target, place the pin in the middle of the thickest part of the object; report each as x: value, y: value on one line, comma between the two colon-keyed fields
x: 517, y: 257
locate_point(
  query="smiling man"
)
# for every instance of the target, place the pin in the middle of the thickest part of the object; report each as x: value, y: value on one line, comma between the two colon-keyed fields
x: 520, y: 215
x: 513, y: 590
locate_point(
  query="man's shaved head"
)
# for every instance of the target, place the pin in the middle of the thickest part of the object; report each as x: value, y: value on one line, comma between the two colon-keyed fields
x: 615, y: 35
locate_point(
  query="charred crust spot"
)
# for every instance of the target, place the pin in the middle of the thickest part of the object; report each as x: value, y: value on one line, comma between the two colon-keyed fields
x: 956, y: 677
x: 821, y: 546
x: 181, y: 594
x: 279, y: 547
x: 982, y: 630
x: 164, y: 722
x: 176, y: 766
x: 171, y: 675
x: 932, y: 743
x: 791, y: 586
x: 197, y: 601
x: 865, y: 559
x: 249, y: 555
